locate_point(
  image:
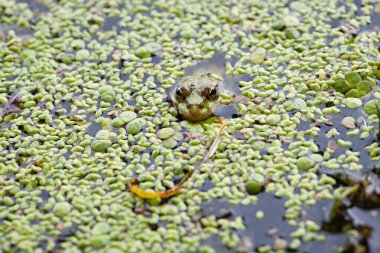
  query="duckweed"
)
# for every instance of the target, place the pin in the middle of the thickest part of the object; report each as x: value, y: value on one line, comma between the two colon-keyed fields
x: 352, y: 85
x: 103, y: 135
x: 62, y: 209
x: 134, y: 127
x: 299, y: 103
x: 363, y: 87
x: 305, y: 163
x: 253, y: 187
x: 273, y: 119
x: 372, y: 106
x: 117, y: 122
x: 101, y: 228
x: 258, y: 55
x: 166, y: 133
x: 82, y: 54
x: 83, y: 109
x: 353, y: 78
x: 100, y: 145
x: 128, y: 116
x: 148, y: 49
x: 342, y: 86
x: 353, y: 93
x: 353, y: 102
x: 169, y: 143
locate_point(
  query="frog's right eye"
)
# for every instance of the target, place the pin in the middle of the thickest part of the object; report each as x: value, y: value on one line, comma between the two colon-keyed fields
x: 179, y: 93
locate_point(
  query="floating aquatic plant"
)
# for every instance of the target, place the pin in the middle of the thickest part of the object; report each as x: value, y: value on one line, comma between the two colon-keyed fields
x: 352, y: 86
x: 93, y: 116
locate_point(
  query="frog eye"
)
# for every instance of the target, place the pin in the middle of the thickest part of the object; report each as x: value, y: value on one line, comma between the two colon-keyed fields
x: 179, y: 94
x: 213, y: 93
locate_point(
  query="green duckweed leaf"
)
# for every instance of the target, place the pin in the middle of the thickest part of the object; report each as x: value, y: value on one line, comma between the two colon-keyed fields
x: 353, y: 78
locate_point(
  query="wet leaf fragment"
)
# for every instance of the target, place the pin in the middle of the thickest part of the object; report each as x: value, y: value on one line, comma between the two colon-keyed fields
x: 13, y: 104
x: 349, y: 122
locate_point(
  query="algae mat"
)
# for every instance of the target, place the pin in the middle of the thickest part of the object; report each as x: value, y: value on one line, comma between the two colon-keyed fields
x: 84, y: 108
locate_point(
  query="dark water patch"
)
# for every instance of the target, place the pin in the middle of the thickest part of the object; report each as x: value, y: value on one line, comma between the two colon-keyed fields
x: 35, y: 5
x: 331, y: 243
x: 66, y: 232
x: 337, y: 219
x: 35, y: 222
x: 68, y: 154
x: 369, y: 222
x: 45, y: 195
x: 65, y: 104
x: 111, y: 24
x: 358, y: 144
x: 24, y: 33
x: 13, y: 104
x: 374, y: 25
x: 260, y: 232
x: 93, y: 129
x: 109, y: 59
x: 320, y: 212
x: 374, y: 178
x: 358, y: 4
x: 208, y: 185
x: 156, y: 58
x: 358, y: 211
x: 227, y: 111
x: 342, y: 219
x: 63, y: 236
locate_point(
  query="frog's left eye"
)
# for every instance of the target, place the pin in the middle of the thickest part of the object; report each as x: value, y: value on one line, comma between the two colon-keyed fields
x: 179, y: 93
x: 213, y: 93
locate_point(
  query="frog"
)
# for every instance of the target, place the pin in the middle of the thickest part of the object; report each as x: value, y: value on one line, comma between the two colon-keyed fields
x: 196, y: 97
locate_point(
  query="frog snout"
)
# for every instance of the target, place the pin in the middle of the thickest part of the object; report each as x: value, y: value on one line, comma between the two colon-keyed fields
x: 194, y: 100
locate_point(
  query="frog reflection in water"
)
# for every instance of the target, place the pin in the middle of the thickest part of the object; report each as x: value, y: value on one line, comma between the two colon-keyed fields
x: 196, y: 97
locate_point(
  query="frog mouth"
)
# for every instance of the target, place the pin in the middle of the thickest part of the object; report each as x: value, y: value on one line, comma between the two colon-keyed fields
x: 197, y: 113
